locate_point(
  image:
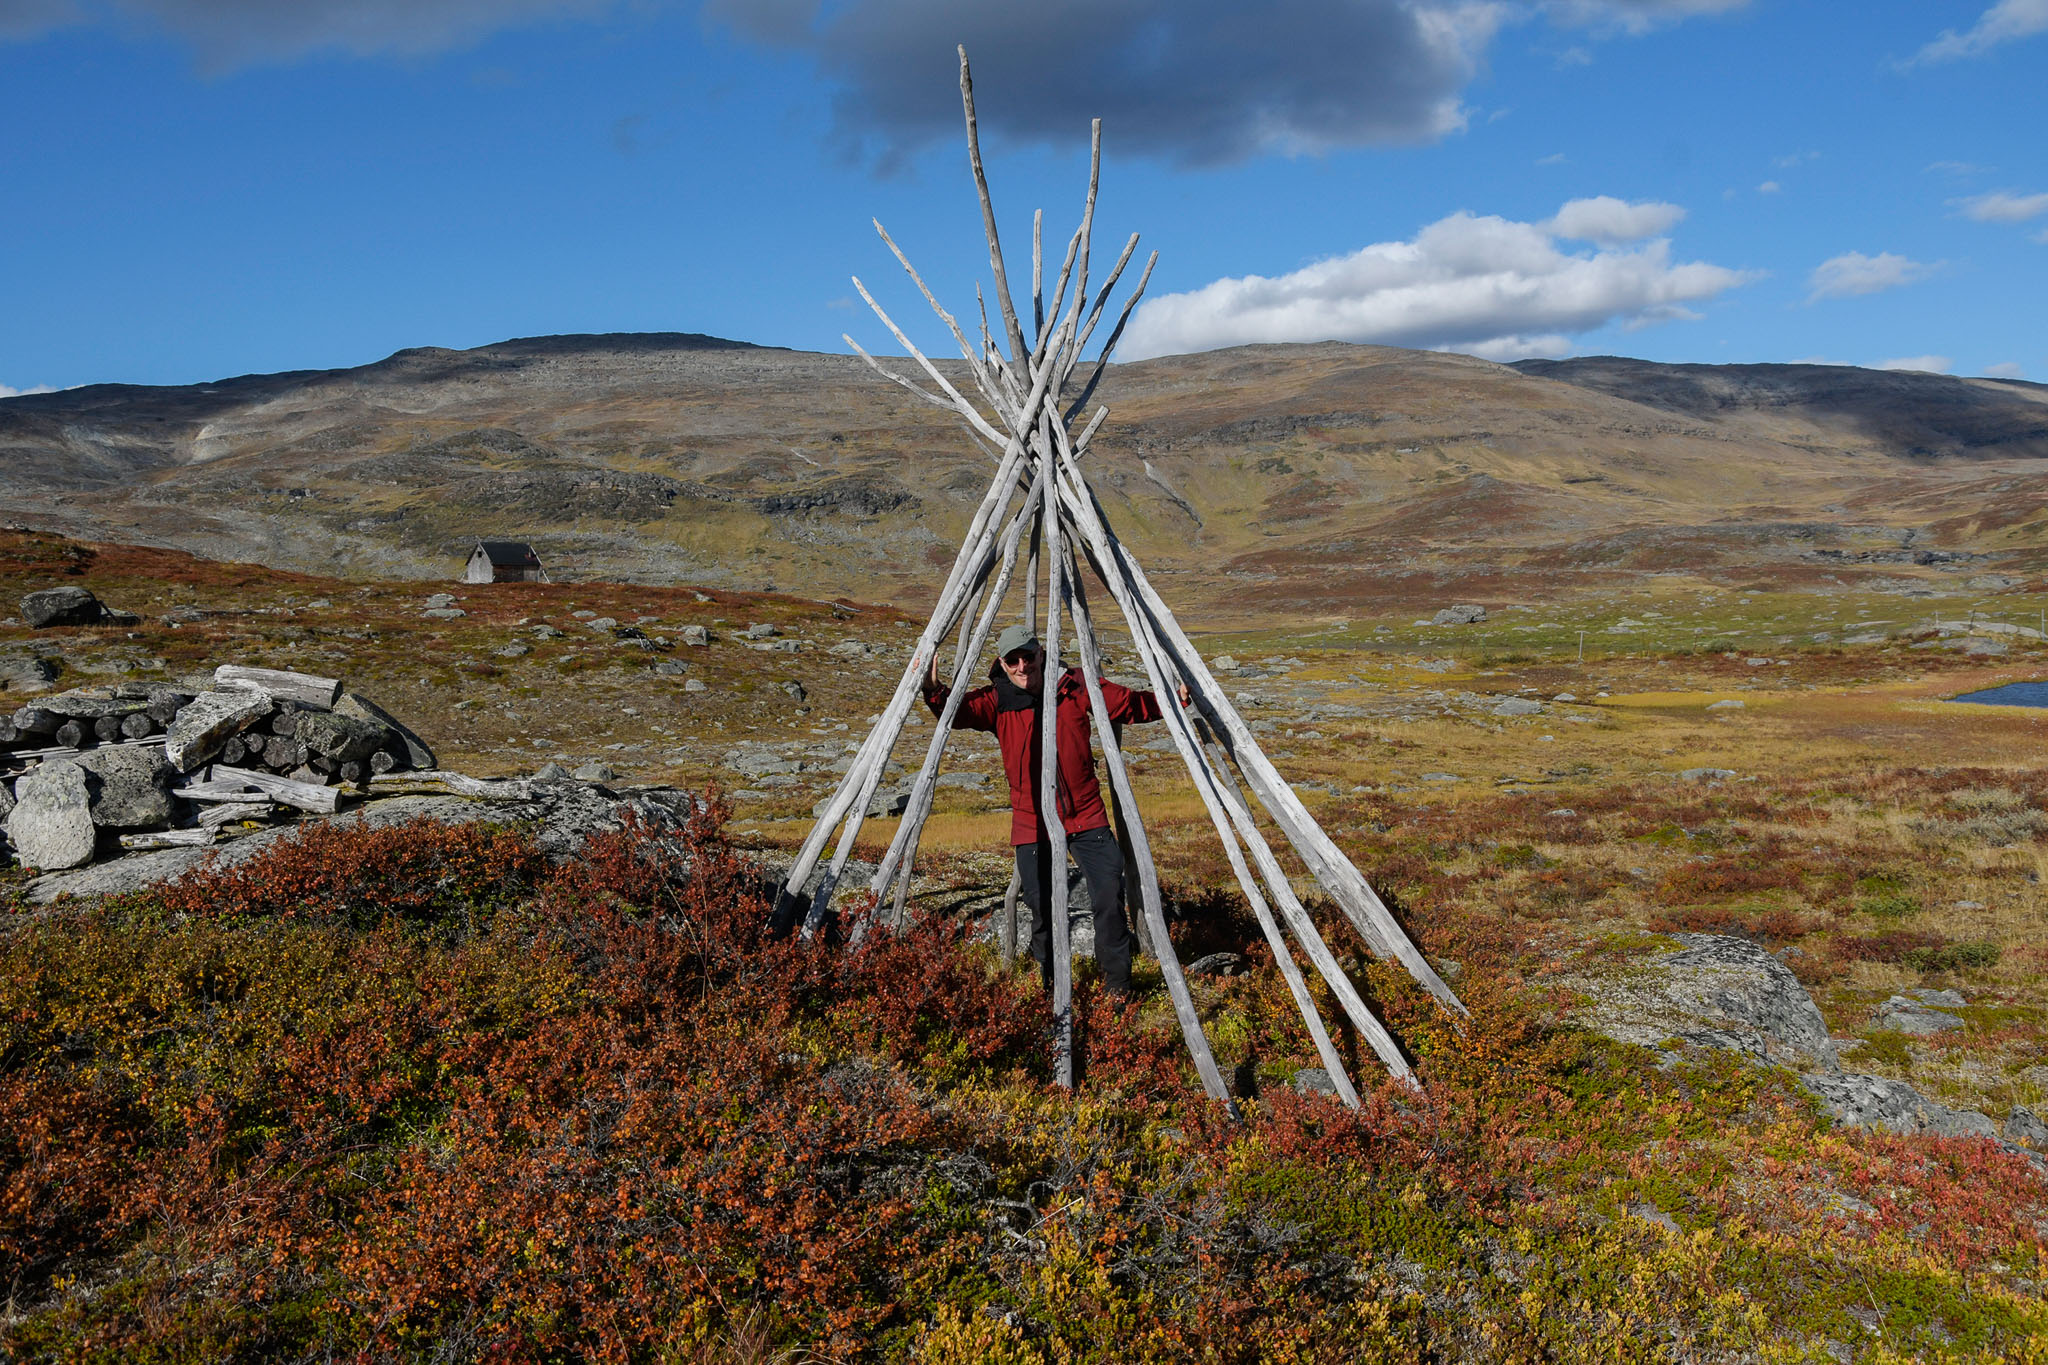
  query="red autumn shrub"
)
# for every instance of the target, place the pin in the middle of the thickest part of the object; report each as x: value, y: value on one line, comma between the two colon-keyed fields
x: 1891, y: 946
x: 419, y: 870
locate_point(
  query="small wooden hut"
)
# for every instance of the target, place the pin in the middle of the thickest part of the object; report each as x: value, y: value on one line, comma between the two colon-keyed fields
x: 503, y: 561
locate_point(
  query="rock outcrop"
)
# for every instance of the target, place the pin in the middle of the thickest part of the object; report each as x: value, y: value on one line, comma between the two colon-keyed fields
x: 1878, y: 1103
x: 1717, y: 992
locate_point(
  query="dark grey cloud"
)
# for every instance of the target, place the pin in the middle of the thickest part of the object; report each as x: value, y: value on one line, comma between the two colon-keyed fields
x: 228, y: 33
x: 27, y: 18
x: 1196, y: 82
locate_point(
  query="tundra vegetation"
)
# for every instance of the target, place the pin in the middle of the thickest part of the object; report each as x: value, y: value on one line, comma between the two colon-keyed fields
x: 422, y: 1093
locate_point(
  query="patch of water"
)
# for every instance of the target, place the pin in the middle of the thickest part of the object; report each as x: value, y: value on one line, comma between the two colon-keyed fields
x: 2012, y: 694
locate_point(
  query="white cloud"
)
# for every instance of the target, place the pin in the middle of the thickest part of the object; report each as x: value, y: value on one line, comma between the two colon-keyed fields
x: 2005, y: 22
x: 1483, y: 285
x: 1608, y: 221
x: 2006, y: 370
x: 1554, y: 159
x: 1853, y: 273
x: 1769, y: 187
x: 6, y: 392
x: 1635, y: 16
x: 2003, y: 206
x: 1956, y: 168
x: 1791, y: 159
x: 1930, y: 364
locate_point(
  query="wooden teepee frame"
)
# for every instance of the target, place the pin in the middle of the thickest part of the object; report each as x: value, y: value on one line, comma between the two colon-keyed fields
x: 1030, y: 435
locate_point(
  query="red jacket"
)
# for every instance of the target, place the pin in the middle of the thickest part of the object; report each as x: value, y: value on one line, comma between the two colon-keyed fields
x: 1016, y: 732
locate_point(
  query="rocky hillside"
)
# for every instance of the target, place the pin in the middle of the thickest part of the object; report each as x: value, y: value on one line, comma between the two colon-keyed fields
x: 1290, y: 480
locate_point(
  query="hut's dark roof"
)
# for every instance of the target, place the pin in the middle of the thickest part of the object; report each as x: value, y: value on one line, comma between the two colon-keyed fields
x: 509, y: 554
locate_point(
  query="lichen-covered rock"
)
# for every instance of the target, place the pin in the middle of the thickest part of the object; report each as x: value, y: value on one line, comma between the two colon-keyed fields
x: 83, y: 704
x: 26, y: 672
x: 1463, y: 614
x: 1906, y: 1015
x: 1885, y: 1105
x: 2023, y: 1125
x: 133, y: 787
x: 51, y: 823
x: 359, y: 707
x: 208, y: 721
x: 1717, y: 992
x: 340, y: 738
x: 1313, y: 1080
x: 66, y: 606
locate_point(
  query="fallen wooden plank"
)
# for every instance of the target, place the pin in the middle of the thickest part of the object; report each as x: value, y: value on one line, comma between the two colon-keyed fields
x: 220, y: 791
x: 69, y: 751
x: 169, y: 838
x: 304, y: 688
x: 258, y: 808
x: 283, y: 790
x: 441, y: 780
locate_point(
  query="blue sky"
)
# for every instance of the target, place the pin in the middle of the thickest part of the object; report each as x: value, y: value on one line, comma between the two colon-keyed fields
x: 191, y: 189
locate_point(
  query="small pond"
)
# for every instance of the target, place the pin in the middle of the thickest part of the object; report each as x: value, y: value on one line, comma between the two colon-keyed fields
x: 2012, y: 694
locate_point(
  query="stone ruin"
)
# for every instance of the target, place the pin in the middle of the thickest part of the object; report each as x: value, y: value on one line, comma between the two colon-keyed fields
x: 102, y: 770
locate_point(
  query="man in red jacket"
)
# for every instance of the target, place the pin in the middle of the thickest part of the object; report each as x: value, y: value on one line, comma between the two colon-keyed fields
x: 1008, y: 708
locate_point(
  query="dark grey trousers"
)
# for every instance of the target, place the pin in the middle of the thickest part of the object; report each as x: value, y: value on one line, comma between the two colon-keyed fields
x: 1095, y: 852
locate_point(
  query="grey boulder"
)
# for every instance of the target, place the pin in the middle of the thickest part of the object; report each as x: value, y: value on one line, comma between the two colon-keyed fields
x: 1884, y: 1105
x: 1906, y: 1015
x: 26, y: 673
x: 2023, y: 1125
x: 339, y: 738
x: 1313, y: 1080
x: 1463, y: 614
x: 358, y: 707
x: 129, y: 786
x: 1717, y: 992
x: 65, y: 606
x: 51, y: 824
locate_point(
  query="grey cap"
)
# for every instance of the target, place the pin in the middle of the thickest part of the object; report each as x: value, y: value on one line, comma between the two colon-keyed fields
x: 1013, y: 639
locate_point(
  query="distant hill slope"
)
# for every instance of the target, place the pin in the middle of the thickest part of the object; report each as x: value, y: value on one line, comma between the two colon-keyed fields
x: 1909, y: 413
x: 1267, y: 479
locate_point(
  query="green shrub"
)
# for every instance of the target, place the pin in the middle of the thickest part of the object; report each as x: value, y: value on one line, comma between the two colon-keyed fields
x: 1889, y: 905
x: 1887, y: 1046
x: 1952, y: 957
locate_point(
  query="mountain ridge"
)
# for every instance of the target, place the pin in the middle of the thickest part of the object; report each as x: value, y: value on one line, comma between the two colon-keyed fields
x: 652, y: 456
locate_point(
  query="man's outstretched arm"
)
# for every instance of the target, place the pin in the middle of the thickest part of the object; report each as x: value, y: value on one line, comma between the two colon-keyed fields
x: 977, y: 709
x: 1133, y: 707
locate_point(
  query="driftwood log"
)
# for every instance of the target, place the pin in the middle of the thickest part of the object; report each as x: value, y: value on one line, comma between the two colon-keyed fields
x: 317, y: 693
